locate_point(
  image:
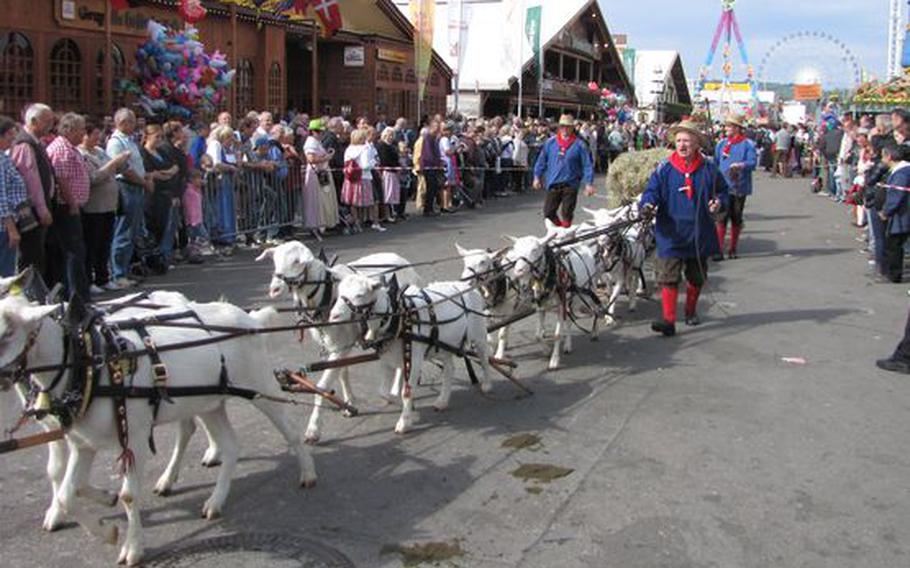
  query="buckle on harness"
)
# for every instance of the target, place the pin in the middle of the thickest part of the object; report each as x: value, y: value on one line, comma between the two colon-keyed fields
x: 160, y: 373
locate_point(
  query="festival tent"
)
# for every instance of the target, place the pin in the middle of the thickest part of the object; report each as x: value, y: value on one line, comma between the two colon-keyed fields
x: 660, y: 85
x: 491, y: 59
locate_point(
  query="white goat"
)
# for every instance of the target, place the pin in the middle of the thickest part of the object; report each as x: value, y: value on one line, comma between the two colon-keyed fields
x: 314, y: 287
x: 26, y: 330
x: 483, y: 268
x: 620, y: 255
x: 551, y: 275
x: 451, y: 312
x: 57, y: 451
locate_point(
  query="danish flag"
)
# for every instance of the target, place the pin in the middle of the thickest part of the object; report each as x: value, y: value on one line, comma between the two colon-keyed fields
x: 328, y: 12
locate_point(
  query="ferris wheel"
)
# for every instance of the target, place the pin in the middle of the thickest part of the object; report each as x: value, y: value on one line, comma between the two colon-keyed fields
x: 807, y: 57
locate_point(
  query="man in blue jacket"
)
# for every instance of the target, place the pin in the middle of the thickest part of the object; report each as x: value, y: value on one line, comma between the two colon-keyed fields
x: 736, y: 157
x: 896, y: 212
x: 563, y: 164
x: 686, y: 191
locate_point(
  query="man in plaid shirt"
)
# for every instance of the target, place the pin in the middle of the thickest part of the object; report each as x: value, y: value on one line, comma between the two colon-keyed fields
x: 66, y: 241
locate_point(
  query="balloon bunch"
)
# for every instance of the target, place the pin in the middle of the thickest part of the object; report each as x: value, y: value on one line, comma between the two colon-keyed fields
x: 175, y: 77
x: 614, y: 105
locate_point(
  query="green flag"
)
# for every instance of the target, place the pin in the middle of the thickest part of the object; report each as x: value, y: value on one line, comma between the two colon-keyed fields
x: 532, y: 30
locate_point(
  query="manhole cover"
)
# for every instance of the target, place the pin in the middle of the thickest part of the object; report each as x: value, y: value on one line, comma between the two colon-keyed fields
x: 252, y: 550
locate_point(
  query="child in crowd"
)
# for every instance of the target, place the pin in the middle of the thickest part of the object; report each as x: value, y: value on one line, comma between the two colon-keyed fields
x: 406, y: 174
x: 197, y: 236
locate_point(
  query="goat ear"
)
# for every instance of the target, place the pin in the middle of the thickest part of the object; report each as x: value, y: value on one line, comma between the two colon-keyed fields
x: 14, y: 284
x: 267, y: 253
x: 32, y: 314
x: 340, y: 271
x: 393, y: 286
x: 510, y: 238
x: 461, y: 250
x: 376, y: 284
x: 76, y: 312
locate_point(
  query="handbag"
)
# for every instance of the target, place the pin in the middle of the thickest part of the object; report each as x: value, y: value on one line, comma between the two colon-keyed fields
x: 352, y: 171
x: 25, y: 217
x: 323, y: 178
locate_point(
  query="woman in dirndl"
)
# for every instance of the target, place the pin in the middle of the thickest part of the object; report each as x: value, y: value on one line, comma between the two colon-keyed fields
x: 357, y: 191
x: 391, y: 182
x: 318, y: 187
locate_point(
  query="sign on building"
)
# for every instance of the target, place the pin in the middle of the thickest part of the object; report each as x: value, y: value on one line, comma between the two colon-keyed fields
x: 354, y: 56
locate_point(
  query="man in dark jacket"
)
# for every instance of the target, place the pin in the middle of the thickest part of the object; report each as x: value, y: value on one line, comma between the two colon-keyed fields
x: 896, y: 211
x: 830, y: 148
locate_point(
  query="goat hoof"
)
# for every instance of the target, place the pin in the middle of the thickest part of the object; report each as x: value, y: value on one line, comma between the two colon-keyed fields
x: 210, y: 511
x: 211, y: 462
x: 440, y: 407
x: 401, y: 428
x: 130, y: 555
x: 350, y: 412
x: 53, y: 519
x: 308, y: 483
x: 162, y: 491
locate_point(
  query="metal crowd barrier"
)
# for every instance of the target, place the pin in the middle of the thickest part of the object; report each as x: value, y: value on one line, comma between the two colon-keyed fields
x: 251, y: 201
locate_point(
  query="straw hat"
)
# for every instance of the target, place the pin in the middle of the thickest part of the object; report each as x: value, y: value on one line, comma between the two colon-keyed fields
x: 567, y: 120
x: 736, y: 120
x: 691, y: 128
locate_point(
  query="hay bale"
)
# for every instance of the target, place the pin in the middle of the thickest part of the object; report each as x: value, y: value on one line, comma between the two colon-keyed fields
x: 629, y: 174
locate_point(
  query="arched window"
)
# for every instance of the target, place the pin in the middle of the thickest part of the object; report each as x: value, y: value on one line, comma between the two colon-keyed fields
x: 383, y: 73
x: 396, y: 74
x: 66, y: 76
x: 17, y: 78
x: 244, y: 80
x: 275, y: 88
x: 118, y: 73
x: 409, y: 76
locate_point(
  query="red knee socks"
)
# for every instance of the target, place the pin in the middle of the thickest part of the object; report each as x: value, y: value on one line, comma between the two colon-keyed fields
x: 734, y: 238
x: 721, y: 229
x: 669, y: 296
x: 692, y: 293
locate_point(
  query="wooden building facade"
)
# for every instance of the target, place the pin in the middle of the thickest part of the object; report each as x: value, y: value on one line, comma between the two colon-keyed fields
x: 54, y: 51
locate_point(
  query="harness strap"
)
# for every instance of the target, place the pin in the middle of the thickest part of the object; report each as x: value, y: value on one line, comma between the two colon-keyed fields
x: 434, y: 324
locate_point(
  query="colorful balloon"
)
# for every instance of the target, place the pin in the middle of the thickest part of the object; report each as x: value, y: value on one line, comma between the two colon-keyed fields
x: 174, y: 76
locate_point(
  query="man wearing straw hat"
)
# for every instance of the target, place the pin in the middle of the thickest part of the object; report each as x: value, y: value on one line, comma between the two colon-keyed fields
x: 686, y: 191
x: 563, y: 164
x: 736, y: 157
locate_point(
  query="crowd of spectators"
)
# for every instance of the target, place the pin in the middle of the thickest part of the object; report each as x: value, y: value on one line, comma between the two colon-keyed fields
x: 100, y: 206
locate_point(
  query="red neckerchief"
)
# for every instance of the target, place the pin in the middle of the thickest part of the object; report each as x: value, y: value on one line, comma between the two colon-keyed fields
x: 732, y: 141
x: 564, y: 143
x: 679, y: 163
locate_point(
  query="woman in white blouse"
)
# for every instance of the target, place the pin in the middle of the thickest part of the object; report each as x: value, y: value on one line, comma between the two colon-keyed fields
x: 220, y: 148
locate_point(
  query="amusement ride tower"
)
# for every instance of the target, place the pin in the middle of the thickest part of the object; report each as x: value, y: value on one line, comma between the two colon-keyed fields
x: 728, y: 27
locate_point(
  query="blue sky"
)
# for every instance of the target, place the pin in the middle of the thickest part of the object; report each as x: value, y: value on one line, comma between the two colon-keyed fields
x: 688, y: 25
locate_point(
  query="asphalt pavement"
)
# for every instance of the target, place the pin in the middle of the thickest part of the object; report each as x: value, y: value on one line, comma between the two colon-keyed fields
x: 704, y: 450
